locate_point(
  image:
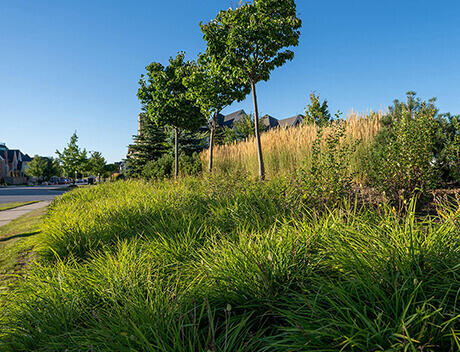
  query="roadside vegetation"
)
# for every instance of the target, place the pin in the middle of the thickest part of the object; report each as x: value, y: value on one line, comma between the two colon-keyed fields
x: 226, y: 263
x: 343, y: 236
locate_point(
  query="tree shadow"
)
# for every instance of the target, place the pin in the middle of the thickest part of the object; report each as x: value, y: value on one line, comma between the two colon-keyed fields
x: 22, y: 235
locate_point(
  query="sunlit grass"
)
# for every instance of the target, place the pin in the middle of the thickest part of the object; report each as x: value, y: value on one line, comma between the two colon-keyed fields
x: 226, y: 263
x: 17, y: 240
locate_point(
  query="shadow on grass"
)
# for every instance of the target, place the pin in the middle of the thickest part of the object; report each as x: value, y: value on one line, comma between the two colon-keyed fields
x: 22, y: 235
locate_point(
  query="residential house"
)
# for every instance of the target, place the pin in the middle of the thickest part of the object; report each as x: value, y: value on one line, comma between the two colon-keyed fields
x: 269, y: 121
x: 13, y: 164
x: 230, y: 119
x: 291, y: 121
x: 2, y: 168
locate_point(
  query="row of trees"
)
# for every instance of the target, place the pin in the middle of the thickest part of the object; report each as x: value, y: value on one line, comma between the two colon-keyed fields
x: 152, y: 154
x: 71, y: 162
x: 243, y: 46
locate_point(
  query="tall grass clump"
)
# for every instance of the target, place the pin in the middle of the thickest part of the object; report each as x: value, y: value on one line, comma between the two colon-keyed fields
x: 384, y: 284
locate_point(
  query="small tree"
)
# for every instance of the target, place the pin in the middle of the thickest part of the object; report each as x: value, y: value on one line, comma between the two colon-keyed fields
x: 43, y: 168
x: 249, y: 41
x: 149, y: 145
x: 96, y: 163
x: 73, y: 160
x: 317, y: 113
x: 213, y: 89
x: 165, y: 99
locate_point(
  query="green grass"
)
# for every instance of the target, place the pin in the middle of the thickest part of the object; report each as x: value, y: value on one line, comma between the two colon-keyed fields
x: 226, y: 263
x: 17, y: 240
x: 8, y: 206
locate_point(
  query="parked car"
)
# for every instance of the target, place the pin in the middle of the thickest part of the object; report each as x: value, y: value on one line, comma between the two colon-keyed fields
x: 81, y: 182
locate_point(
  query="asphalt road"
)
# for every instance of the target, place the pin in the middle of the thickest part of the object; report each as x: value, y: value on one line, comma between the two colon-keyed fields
x: 13, y: 194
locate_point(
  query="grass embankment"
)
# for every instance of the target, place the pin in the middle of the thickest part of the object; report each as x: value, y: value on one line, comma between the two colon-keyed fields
x: 229, y: 264
x: 8, y: 206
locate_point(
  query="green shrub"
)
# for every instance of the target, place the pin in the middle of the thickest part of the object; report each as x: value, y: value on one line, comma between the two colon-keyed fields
x: 400, y: 161
x: 164, y: 166
x: 448, y: 147
x: 328, y: 179
x: 160, y: 168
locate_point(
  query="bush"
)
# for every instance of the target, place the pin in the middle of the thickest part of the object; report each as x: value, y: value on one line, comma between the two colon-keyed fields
x: 164, y: 166
x: 448, y: 147
x: 160, y: 168
x: 400, y: 160
x: 328, y: 179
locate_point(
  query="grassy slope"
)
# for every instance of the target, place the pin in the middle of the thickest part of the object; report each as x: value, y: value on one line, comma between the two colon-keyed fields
x: 228, y: 264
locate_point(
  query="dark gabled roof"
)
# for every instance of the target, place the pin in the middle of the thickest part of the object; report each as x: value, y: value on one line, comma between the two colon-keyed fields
x: 3, y: 147
x: 230, y: 119
x: 26, y: 158
x: 291, y: 121
x: 11, y: 154
x: 270, y: 121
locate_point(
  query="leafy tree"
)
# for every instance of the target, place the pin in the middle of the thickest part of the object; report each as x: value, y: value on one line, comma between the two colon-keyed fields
x: 72, y: 159
x: 213, y: 88
x: 242, y: 129
x: 317, y: 113
x: 96, y: 163
x: 110, y: 169
x: 149, y: 145
x: 43, y: 168
x: 249, y: 41
x: 165, y: 101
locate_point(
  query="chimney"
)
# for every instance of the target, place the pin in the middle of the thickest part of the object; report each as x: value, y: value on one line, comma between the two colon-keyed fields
x: 139, y: 119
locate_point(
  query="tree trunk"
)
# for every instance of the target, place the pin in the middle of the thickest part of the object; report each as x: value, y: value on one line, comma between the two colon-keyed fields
x: 176, y: 152
x: 259, y: 146
x: 211, y: 140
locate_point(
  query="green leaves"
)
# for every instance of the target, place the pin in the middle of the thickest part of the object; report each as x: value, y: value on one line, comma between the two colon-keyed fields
x: 165, y: 100
x: 400, y: 160
x: 164, y: 96
x: 72, y: 159
x: 317, y: 113
x: 42, y: 167
x: 250, y: 39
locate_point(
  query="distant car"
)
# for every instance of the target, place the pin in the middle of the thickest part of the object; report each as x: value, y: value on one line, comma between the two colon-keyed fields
x: 81, y: 182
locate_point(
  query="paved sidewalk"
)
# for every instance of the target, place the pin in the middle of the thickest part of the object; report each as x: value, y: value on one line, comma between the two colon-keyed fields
x: 6, y: 216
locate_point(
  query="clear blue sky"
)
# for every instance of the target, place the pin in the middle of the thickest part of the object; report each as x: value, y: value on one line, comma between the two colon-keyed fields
x: 70, y: 66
